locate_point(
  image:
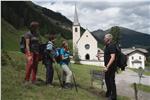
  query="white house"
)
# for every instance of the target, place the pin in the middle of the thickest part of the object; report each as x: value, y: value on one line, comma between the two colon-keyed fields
x: 135, y: 57
x: 86, y: 45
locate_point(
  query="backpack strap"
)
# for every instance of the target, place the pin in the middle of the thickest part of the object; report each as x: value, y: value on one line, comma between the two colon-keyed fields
x: 49, y: 45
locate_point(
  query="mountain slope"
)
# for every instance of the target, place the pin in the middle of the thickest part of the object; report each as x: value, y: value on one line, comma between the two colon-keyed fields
x: 99, y: 35
x: 17, y: 15
x: 10, y: 36
x: 20, y: 13
x: 128, y: 38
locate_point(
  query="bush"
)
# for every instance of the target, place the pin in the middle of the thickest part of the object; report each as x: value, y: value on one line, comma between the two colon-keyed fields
x: 76, y: 57
x: 3, y: 59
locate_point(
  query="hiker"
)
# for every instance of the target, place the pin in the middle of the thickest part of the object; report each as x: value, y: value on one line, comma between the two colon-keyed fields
x: 110, y: 66
x: 32, y: 52
x: 98, y: 55
x: 67, y: 73
x: 48, y: 59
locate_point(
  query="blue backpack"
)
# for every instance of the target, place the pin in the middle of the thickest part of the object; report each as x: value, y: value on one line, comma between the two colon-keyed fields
x: 58, y: 55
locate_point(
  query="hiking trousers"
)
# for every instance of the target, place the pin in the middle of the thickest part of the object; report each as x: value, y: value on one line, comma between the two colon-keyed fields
x: 110, y: 84
x: 49, y: 72
x: 67, y: 74
x: 31, y: 66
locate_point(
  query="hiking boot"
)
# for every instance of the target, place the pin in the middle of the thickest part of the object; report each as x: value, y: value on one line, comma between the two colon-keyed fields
x: 50, y: 85
x: 113, y: 99
x: 26, y: 83
x: 107, y: 94
x: 109, y: 98
x: 68, y: 86
x: 35, y: 82
x: 64, y: 83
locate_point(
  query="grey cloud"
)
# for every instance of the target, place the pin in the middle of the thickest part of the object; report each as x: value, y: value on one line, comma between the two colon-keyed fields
x: 105, y: 5
x: 133, y: 15
x: 45, y: 2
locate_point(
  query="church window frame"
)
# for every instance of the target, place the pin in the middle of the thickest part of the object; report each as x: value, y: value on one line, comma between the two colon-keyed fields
x: 76, y: 29
x: 87, y: 46
x: 140, y: 57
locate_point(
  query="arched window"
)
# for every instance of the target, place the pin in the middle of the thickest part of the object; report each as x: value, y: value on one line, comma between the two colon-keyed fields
x: 87, y: 57
x: 76, y: 29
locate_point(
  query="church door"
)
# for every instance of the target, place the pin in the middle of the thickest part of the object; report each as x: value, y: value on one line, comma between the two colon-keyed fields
x: 87, y: 57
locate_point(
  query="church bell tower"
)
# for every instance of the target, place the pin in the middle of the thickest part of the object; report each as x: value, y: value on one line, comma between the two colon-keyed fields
x: 75, y: 30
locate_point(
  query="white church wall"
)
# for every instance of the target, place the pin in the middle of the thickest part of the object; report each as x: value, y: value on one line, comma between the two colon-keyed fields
x: 87, y: 38
x: 96, y: 63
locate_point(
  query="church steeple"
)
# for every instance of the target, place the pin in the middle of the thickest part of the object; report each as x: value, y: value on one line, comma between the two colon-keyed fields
x: 76, y: 21
x: 75, y: 30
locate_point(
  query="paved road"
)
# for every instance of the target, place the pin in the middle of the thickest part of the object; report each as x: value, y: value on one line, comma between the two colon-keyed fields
x: 124, y: 81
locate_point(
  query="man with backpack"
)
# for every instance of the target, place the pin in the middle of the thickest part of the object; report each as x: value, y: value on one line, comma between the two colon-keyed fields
x: 48, y: 59
x: 110, y: 53
x: 32, y: 51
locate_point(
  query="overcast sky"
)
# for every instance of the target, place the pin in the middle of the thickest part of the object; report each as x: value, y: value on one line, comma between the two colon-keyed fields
x: 98, y: 14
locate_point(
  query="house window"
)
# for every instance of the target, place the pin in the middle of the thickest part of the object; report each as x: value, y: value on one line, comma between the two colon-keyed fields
x: 132, y: 57
x: 86, y: 35
x: 76, y: 29
x: 140, y: 57
x: 87, y: 46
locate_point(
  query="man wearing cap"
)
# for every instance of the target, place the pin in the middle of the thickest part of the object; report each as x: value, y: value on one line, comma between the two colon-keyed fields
x: 32, y: 51
x: 48, y: 60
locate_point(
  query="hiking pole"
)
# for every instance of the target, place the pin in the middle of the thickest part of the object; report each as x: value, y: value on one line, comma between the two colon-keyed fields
x: 59, y: 78
x: 75, y: 84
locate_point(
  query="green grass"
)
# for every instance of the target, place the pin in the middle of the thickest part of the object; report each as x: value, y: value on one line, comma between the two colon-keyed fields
x: 10, y: 36
x: 145, y: 72
x: 13, y: 88
x: 147, y: 65
x: 142, y: 87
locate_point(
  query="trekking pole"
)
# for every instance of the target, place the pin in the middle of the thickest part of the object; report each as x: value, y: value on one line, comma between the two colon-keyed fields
x: 135, y: 91
x: 75, y: 84
x: 59, y: 78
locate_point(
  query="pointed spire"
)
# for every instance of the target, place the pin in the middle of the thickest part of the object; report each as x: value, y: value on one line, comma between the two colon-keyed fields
x: 76, y: 21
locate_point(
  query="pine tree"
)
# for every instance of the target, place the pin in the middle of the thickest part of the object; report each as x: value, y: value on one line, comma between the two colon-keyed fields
x: 115, y: 31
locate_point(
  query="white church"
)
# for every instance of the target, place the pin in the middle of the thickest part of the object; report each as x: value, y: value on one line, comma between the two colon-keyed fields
x: 87, y: 48
x: 86, y: 45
